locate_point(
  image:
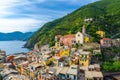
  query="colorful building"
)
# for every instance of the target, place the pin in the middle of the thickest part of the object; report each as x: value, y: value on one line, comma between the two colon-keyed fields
x: 85, y: 58
x: 72, y: 72
x: 2, y: 56
x: 72, y: 39
x: 101, y: 33
x: 68, y: 40
x: 106, y: 42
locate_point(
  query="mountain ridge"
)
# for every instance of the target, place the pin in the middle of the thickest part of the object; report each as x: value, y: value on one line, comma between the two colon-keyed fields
x: 17, y: 35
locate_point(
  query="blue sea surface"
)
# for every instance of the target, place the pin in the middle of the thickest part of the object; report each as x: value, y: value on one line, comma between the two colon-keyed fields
x: 12, y: 47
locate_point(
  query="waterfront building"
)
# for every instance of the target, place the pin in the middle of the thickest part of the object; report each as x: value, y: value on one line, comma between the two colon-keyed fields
x: 2, y: 56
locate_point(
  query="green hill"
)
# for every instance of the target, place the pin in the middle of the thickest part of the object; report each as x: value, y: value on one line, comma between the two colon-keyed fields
x: 106, y: 15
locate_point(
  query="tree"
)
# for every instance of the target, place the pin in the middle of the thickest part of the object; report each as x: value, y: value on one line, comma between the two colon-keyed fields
x: 116, y: 66
x: 111, y: 66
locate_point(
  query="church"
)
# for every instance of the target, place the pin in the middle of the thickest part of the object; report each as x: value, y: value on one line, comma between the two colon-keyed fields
x: 72, y: 39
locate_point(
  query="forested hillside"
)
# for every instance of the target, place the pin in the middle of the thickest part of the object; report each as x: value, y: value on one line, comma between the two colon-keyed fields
x: 105, y: 15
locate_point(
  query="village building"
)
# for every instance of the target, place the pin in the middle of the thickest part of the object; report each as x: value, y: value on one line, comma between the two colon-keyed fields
x: 106, y: 42
x: 79, y: 38
x: 93, y: 75
x: 91, y: 72
x: 34, y: 56
x: 18, y: 59
x: 11, y: 74
x: 57, y: 38
x: 101, y: 33
x: 63, y: 62
x: 96, y: 52
x: 116, y: 42
x: 74, y: 59
x: 85, y: 58
x: 15, y: 60
x: 73, y: 72
x: 16, y: 77
x: 88, y: 20
x: 21, y: 67
x: 91, y: 46
x: 73, y: 39
x: 64, y: 52
x: 68, y: 40
x: 48, y: 60
x: 45, y: 49
x: 36, y: 47
x: 56, y: 60
x: 57, y: 45
x: 2, y: 56
x: 116, y: 77
x: 49, y: 75
x: 62, y: 74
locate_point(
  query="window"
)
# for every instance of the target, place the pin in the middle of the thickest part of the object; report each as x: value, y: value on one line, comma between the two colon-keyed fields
x: 74, y: 77
x: 73, y: 68
x: 89, y: 79
x: 96, y: 79
x: 78, y: 35
x: 73, y: 41
x: 82, y: 64
x: 67, y: 76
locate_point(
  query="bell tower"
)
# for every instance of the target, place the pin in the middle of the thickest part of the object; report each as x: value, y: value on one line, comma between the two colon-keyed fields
x: 83, y: 29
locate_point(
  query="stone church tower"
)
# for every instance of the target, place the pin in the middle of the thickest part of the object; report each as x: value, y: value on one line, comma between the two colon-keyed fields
x: 83, y: 29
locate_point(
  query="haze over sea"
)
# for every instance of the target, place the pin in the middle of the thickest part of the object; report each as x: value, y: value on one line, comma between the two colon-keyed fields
x: 12, y: 47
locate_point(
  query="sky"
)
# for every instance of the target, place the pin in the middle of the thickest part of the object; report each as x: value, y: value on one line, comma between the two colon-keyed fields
x: 30, y: 15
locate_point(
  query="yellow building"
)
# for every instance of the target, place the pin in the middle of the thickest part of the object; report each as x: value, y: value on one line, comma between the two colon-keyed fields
x: 101, y: 33
x: 64, y: 53
x: 85, y: 58
x: 47, y: 59
x: 47, y: 62
x: 87, y: 39
x: 20, y: 69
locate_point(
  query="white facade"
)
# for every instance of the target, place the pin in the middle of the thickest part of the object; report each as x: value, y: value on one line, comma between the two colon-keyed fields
x: 79, y: 38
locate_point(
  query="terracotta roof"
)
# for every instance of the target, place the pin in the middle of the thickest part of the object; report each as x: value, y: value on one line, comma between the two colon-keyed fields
x: 10, y: 57
x: 106, y: 39
x: 69, y: 36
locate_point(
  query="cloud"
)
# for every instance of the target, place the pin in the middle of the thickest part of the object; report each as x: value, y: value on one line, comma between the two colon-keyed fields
x: 23, y: 24
x: 29, y: 15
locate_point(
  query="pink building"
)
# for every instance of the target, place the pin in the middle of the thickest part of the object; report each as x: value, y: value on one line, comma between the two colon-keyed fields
x: 106, y: 42
x: 68, y: 40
